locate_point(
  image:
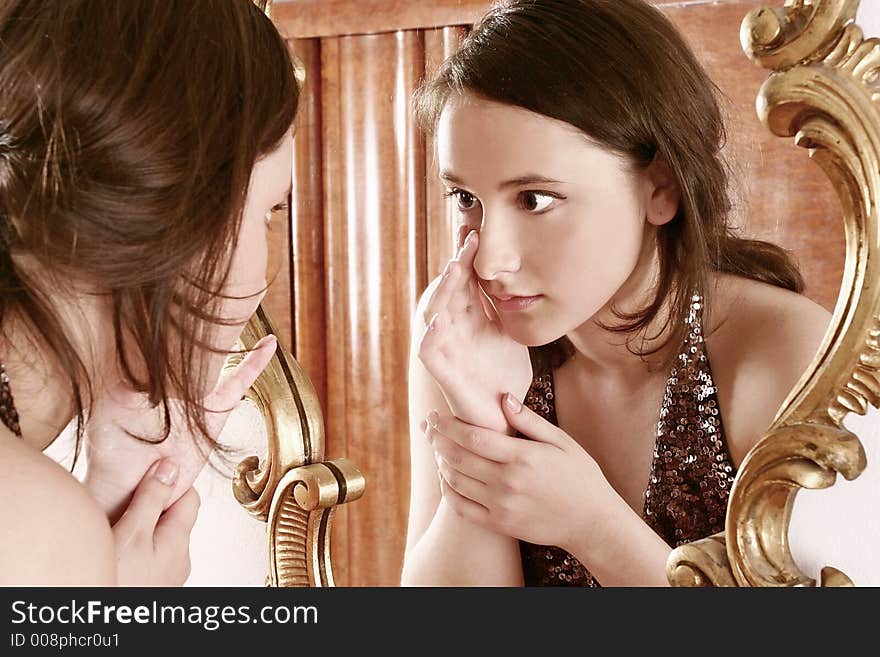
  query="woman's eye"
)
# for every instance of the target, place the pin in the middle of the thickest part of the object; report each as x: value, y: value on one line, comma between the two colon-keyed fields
x: 267, y: 218
x: 465, y: 200
x: 535, y: 202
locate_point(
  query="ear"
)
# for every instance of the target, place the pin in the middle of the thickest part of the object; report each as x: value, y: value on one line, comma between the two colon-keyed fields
x: 664, y: 193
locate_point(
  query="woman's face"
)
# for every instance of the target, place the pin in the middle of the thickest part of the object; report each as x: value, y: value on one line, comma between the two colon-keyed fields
x: 268, y: 190
x: 561, y: 220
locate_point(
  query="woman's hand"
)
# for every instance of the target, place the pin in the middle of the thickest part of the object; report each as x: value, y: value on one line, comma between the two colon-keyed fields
x: 116, y: 461
x: 546, y: 490
x: 152, y: 544
x: 465, y: 348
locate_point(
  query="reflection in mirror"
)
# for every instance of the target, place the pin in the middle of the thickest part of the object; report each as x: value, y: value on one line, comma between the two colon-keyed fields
x: 370, y: 228
x: 602, y: 241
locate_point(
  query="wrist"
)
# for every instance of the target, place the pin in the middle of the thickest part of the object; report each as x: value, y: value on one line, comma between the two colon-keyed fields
x: 596, y: 523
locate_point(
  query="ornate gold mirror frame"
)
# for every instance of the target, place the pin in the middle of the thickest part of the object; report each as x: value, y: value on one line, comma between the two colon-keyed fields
x: 294, y: 490
x: 823, y: 90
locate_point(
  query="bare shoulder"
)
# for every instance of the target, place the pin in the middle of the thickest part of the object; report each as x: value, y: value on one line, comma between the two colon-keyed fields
x: 760, y: 340
x: 54, y: 533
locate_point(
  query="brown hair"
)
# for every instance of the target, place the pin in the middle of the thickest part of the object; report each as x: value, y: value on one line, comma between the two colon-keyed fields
x: 620, y: 72
x: 128, y: 132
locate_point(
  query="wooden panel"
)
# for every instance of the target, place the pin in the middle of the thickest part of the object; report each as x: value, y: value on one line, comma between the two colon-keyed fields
x: 374, y: 207
x: 783, y: 197
x: 439, y: 44
x: 321, y: 18
x: 307, y: 224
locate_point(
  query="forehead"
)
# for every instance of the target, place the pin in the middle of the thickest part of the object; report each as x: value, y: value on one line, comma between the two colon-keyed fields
x: 275, y: 167
x: 478, y: 137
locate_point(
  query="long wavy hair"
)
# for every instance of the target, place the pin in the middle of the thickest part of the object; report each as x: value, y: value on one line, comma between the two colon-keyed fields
x: 128, y: 132
x: 620, y: 72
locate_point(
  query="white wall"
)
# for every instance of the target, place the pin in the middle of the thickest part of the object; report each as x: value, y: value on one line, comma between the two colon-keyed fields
x: 228, y: 547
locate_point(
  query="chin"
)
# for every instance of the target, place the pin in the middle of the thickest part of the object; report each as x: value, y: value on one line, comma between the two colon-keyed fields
x: 533, y: 334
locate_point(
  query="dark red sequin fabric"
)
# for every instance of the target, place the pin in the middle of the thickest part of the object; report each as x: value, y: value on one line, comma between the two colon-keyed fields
x: 691, y: 473
x: 8, y: 414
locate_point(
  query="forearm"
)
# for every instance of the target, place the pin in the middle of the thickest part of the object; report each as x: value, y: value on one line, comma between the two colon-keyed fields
x: 455, y: 552
x: 623, y: 551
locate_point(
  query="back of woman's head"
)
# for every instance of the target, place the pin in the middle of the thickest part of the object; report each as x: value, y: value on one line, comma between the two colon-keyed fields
x: 128, y: 132
x: 619, y: 71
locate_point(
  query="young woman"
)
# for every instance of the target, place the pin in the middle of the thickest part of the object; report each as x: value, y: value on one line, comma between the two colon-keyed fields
x: 600, y: 284
x: 142, y: 147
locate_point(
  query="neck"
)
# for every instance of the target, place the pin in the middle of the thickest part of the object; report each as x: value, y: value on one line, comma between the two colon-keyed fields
x: 41, y: 389
x: 602, y: 351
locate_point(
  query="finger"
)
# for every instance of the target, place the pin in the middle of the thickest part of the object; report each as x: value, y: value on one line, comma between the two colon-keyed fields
x: 468, y: 251
x: 461, y: 234
x: 235, y: 383
x: 474, y: 490
x: 177, y: 522
x: 489, y: 444
x: 488, y: 308
x: 463, y: 461
x: 464, y: 298
x: 530, y: 424
x: 439, y: 299
x: 467, y: 509
x: 148, y: 501
x: 431, y: 343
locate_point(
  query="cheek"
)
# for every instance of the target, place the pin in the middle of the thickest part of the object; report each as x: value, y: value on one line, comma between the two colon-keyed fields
x: 597, y: 257
x: 579, y: 267
x: 247, y: 273
x: 247, y: 280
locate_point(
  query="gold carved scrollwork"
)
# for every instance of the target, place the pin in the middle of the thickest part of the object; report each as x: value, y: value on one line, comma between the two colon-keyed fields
x: 293, y: 490
x: 823, y: 90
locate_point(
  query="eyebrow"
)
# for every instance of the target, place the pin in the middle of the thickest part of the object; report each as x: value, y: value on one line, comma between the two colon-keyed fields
x: 520, y: 181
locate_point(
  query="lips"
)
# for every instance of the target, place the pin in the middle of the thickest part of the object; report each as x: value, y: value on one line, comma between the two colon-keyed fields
x: 513, y: 302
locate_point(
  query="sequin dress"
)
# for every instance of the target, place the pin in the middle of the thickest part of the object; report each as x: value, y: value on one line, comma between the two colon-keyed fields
x: 8, y: 414
x: 691, y: 472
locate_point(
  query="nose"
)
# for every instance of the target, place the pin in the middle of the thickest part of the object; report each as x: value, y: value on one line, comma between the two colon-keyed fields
x: 498, y: 252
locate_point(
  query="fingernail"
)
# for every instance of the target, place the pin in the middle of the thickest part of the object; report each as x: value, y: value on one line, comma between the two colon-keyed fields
x: 167, y: 472
x: 432, y: 325
x: 470, y: 237
x: 512, y: 403
x: 433, y: 418
x: 423, y: 427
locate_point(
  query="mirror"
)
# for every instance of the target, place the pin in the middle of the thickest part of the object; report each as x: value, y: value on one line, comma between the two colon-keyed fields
x: 368, y: 231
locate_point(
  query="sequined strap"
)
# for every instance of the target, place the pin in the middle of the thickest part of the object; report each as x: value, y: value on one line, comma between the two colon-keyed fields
x: 7, y: 407
x: 692, y: 470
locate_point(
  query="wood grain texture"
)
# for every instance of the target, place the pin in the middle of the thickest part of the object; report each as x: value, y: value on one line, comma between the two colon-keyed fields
x: 320, y: 18
x: 307, y: 224
x: 375, y: 244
